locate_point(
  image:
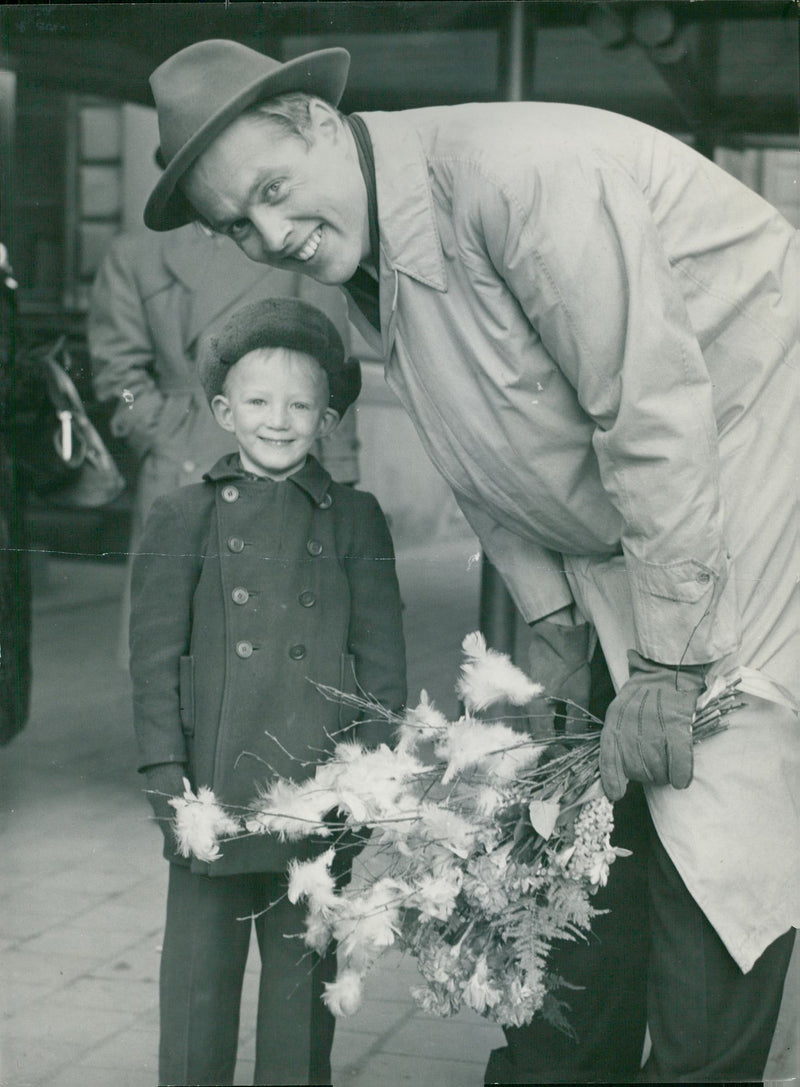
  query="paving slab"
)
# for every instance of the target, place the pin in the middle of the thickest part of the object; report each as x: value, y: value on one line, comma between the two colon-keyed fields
x: 388, y: 1070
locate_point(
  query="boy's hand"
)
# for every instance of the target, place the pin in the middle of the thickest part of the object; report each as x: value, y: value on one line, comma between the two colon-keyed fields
x: 164, y: 781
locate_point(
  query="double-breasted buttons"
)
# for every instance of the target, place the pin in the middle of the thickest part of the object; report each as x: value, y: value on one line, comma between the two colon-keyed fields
x: 325, y: 502
x: 314, y: 547
x: 307, y: 598
x: 229, y: 493
x: 235, y: 544
x: 240, y: 595
x: 297, y: 652
x: 244, y: 650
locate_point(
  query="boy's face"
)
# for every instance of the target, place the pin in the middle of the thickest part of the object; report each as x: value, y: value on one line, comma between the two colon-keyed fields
x: 276, y: 403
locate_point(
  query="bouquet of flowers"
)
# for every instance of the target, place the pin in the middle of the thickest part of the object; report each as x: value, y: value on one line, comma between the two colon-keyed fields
x: 487, y: 844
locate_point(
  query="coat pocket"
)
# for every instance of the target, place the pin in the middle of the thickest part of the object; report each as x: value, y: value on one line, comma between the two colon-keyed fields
x: 348, y: 684
x: 187, y: 695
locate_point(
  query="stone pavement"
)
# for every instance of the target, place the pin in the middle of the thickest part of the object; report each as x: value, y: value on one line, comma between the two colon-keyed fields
x: 82, y: 883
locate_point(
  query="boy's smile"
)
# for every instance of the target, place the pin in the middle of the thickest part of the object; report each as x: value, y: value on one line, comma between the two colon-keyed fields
x: 276, y: 404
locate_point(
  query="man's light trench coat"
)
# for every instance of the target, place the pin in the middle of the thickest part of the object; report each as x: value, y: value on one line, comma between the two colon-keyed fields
x: 595, y: 331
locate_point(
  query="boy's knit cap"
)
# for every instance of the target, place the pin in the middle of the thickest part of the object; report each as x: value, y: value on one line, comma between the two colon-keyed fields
x: 281, y: 322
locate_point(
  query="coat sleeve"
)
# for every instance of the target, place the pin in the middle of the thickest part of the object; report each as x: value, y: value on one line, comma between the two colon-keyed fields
x: 533, y: 575
x: 582, y: 255
x: 122, y: 350
x: 375, y: 637
x: 166, y: 569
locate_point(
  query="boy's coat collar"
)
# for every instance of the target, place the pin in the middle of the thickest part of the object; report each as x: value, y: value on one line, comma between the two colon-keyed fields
x: 311, y: 478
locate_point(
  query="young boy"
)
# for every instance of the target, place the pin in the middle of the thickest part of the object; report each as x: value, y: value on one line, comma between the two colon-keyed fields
x: 248, y: 585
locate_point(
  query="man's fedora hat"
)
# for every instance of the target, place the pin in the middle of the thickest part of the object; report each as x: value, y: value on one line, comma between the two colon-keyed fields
x: 201, y: 89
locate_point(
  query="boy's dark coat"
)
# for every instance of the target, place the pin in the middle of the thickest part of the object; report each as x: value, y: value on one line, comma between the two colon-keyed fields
x: 243, y: 591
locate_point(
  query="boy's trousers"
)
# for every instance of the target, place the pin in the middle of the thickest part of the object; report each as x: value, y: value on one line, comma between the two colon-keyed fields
x: 206, y: 943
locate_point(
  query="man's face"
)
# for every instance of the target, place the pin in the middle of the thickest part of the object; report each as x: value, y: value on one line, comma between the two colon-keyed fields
x: 276, y: 404
x: 296, y: 205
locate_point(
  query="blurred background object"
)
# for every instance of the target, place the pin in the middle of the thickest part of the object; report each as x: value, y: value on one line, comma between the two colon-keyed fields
x: 15, y: 585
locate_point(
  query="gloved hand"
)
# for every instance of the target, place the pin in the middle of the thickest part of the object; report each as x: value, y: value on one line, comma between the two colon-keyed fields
x: 558, y: 659
x: 647, y: 735
x: 165, y: 780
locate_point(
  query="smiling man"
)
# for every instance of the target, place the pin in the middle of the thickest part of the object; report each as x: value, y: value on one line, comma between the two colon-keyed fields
x: 594, y: 330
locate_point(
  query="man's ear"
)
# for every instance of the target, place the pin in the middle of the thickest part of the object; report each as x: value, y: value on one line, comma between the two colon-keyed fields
x: 222, y: 412
x: 325, y: 121
x: 329, y: 421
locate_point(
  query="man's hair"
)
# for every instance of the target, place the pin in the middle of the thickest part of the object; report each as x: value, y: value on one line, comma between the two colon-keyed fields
x: 290, y: 111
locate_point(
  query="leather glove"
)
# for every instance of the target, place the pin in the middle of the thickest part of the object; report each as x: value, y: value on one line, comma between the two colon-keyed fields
x: 647, y: 735
x: 165, y: 780
x: 558, y: 659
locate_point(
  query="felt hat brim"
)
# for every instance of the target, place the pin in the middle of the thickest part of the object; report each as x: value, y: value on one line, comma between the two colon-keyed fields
x: 322, y: 73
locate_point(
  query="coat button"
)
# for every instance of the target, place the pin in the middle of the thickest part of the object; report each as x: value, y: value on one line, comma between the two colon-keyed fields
x: 314, y: 547
x: 307, y: 598
x: 235, y: 544
x: 240, y: 595
x: 297, y: 652
x: 703, y: 577
x: 230, y: 493
x: 325, y: 502
x: 244, y: 650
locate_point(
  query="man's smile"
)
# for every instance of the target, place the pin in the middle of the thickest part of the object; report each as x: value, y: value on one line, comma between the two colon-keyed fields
x: 310, y: 246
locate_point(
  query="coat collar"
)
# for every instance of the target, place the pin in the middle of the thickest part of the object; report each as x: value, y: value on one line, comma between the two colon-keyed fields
x: 311, y: 478
x: 409, y: 236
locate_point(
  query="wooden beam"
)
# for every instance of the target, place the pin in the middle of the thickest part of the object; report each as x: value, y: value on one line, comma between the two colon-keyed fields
x: 8, y: 90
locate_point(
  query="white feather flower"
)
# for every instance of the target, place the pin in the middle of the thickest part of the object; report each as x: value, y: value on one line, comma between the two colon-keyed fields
x: 496, y: 750
x: 435, y: 895
x: 313, y: 880
x: 291, y: 810
x: 488, y: 800
x: 447, y: 829
x: 488, y: 677
x: 424, y: 722
x: 319, y: 931
x: 344, y: 996
x: 369, y: 784
x: 200, y: 822
x: 368, y: 923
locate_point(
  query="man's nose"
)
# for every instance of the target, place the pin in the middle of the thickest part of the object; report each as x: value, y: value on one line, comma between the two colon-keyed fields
x: 272, y: 228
